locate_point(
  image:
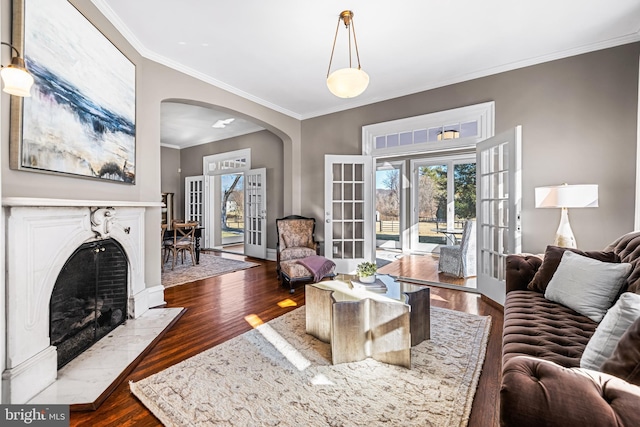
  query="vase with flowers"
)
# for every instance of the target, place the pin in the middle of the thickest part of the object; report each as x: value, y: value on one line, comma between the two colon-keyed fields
x: 366, y: 272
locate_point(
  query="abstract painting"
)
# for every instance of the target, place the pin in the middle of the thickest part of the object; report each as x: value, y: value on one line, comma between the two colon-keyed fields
x: 80, y: 118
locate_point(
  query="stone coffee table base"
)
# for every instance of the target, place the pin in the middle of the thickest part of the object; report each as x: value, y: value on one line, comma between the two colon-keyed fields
x: 360, y: 324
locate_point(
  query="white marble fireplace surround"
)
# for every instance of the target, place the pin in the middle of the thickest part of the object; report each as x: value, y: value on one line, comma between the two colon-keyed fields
x: 41, y: 235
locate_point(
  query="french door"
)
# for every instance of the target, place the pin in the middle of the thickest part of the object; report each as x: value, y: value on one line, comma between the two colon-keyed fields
x: 348, y: 229
x: 499, y: 201
x: 255, y: 208
x: 202, y: 204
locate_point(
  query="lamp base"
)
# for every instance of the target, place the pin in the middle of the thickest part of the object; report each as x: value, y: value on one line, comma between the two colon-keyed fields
x: 564, y: 234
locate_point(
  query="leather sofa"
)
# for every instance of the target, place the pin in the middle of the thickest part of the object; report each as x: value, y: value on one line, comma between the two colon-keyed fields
x: 543, y: 341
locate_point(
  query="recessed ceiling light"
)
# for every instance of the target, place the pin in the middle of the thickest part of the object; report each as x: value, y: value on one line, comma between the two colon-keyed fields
x: 220, y: 124
x: 182, y: 43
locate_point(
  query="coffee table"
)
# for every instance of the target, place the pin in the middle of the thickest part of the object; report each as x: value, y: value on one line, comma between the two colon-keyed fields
x: 360, y: 323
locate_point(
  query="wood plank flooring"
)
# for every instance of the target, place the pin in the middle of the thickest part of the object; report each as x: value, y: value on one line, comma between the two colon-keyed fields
x: 216, y: 311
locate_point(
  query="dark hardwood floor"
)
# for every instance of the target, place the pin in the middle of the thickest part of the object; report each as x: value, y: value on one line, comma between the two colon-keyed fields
x: 216, y: 311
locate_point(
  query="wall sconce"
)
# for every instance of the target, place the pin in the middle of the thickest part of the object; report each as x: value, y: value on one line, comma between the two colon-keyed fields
x: 347, y: 82
x: 15, y: 76
x: 566, y: 196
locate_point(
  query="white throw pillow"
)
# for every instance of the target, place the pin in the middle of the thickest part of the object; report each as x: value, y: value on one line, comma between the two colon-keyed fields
x: 586, y: 285
x: 614, y: 324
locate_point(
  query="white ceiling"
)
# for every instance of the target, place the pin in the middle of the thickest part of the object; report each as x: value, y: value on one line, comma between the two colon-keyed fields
x: 185, y: 125
x: 276, y: 53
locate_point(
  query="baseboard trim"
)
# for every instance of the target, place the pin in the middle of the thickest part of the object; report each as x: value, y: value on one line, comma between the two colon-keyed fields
x: 492, y: 303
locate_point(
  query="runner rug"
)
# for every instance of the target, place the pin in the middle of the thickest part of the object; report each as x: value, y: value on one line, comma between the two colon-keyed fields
x: 276, y: 374
x: 210, y: 265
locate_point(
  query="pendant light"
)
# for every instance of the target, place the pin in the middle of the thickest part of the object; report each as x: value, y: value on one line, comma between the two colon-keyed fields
x: 347, y: 82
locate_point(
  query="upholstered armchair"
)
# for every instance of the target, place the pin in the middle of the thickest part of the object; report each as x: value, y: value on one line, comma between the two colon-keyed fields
x: 295, y: 239
x: 460, y: 260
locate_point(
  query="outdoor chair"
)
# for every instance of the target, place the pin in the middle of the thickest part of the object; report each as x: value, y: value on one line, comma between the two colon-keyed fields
x: 460, y: 260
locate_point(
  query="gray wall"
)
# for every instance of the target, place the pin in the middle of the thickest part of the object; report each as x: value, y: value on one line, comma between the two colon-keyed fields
x: 170, y: 178
x: 266, y: 152
x: 579, y: 118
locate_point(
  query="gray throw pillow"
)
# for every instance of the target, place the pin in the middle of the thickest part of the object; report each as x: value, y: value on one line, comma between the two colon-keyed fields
x: 586, y: 285
x: 614, y: 324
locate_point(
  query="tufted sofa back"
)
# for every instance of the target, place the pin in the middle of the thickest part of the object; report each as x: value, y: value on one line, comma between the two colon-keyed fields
x: 627, y: 247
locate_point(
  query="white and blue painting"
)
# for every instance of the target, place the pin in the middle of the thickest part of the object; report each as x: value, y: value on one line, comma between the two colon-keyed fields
x: 80, y: 118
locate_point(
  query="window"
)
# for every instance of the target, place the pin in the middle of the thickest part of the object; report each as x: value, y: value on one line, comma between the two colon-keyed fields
x: 440, y: 131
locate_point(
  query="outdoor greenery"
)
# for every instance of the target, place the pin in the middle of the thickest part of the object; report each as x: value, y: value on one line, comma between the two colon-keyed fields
x: 388, y: 200
x: 433, y: 191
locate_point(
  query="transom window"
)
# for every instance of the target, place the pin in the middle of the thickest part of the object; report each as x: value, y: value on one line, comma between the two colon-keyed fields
x: 440, y: 131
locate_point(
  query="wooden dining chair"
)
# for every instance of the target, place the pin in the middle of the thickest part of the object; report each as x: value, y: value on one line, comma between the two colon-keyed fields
x: 183, y: 241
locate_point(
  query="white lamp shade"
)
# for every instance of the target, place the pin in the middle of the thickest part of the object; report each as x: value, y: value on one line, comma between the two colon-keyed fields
x: 567, y: 196
x: 17, y: 81
x: 348, y: 82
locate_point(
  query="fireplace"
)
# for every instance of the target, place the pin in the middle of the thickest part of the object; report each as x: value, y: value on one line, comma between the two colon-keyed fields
x: 89, y: 299
x: 44, y: 237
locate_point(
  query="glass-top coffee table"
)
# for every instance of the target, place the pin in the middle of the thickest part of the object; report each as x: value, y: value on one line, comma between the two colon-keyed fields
x: 360, y: 323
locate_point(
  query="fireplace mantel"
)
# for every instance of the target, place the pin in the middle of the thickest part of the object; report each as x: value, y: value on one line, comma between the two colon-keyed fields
x: 44, y: 202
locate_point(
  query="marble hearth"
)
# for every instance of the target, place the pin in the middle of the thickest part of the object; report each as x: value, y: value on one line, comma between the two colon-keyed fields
x: 41, y: 235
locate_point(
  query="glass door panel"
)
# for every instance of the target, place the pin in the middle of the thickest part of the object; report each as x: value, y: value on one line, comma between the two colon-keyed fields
x: 432, y: 206
x: 388, y: 209
x: 444, y: 198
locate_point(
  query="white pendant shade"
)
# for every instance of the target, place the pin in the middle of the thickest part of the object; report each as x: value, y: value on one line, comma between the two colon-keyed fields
x: 347, y: 82
x: 17, y: 81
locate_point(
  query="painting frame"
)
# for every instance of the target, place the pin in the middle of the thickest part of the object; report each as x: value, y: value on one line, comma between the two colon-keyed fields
x: 81, y: 118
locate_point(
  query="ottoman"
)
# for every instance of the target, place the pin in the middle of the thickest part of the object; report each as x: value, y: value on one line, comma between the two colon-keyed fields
x: 294, y: 271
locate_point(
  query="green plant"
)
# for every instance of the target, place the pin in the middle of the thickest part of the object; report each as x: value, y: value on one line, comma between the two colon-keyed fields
x: 366, y: 268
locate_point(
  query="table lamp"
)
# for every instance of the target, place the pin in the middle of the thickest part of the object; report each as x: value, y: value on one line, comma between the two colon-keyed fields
x: 566, y: 196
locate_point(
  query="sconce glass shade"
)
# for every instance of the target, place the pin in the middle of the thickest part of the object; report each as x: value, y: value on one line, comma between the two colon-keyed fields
x: 347, y: 82
x: 16, y: 78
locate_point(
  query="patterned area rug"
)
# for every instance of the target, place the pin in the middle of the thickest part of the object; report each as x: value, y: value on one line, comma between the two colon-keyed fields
x: 276, y: 374
x: 210, y: 265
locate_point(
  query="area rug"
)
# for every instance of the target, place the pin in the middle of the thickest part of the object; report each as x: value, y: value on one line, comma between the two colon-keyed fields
x: 210, y: 265
x: 277, y: 375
